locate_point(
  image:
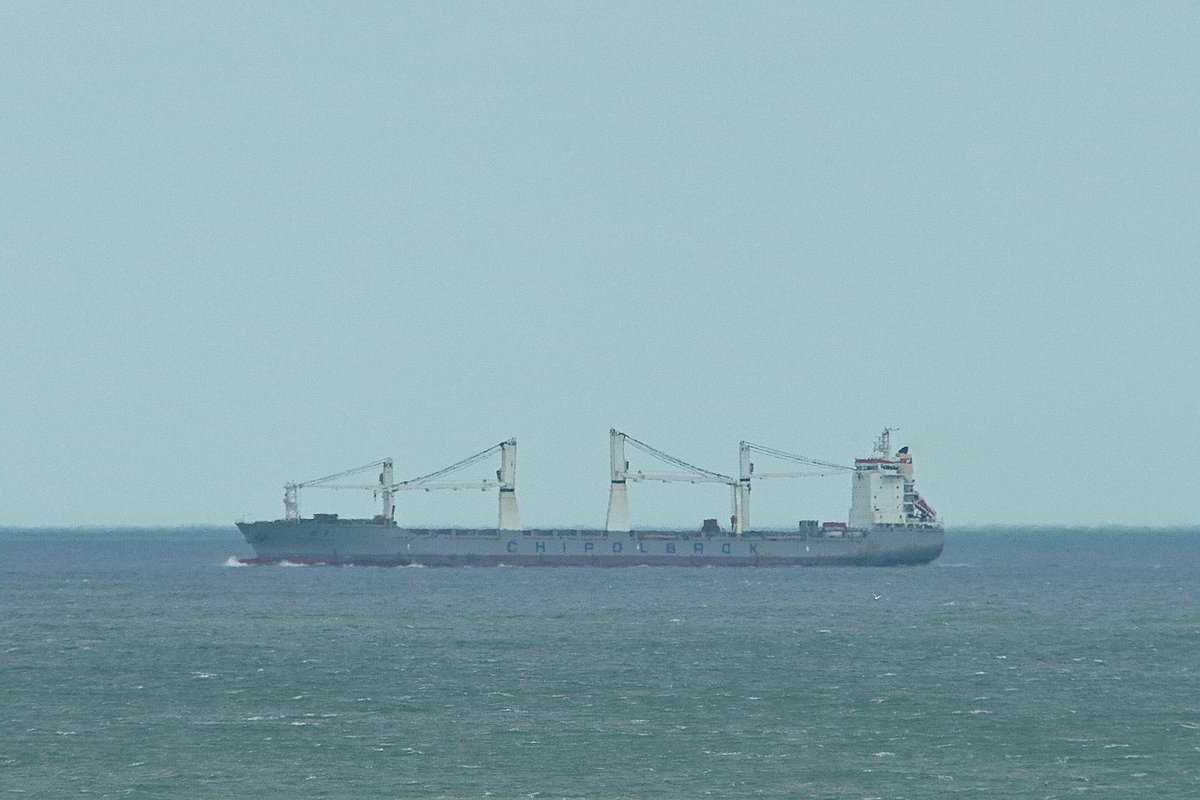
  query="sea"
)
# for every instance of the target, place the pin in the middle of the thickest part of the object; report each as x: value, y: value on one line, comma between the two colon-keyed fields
x: 1023, y: 663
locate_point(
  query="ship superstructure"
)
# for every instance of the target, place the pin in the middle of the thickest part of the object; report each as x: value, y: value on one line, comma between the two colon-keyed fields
x: 889, y: 522
x: 884, y: 493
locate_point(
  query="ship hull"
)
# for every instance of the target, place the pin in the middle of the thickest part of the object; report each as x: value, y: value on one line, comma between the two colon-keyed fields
x: 376, y: 543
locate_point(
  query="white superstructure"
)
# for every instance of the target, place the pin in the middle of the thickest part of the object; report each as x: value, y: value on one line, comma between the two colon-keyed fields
x: 883, y: 492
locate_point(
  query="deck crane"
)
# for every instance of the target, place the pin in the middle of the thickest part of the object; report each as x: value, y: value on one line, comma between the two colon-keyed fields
x: 291, y: 491
x: 506, y: 481
x: 747, y: 473
x: 387, y: 487
x: 618, y: 498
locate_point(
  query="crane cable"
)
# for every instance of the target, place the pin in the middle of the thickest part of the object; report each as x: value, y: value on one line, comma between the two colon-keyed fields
x: 455, y: 467
x: 343, y: 474
x: 771, y: 451
x: 670, y: 459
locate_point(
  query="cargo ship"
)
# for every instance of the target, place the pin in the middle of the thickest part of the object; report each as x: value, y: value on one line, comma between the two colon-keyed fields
x: 889, y: 522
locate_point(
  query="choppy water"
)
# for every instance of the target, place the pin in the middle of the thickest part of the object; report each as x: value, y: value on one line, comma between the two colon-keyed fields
x: 1021, y: 664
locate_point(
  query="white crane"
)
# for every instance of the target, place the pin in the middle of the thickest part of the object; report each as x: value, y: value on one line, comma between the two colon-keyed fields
x: 618, y: 497
x: 747, y: 473
x: 506, y: 482
x: 291, y: 491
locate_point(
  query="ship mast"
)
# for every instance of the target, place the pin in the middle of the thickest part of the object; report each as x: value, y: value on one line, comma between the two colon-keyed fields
x: 291, y: 502
x: 741, y: 503
x: 618, y: 492
x: 510, y: 519
x: 385, y: 489
x: 883, y: 445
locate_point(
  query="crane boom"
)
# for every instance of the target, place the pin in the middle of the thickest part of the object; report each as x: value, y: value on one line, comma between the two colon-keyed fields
x: 669, y: 478
x: 430, y: 487
x: 506, y: 481
x: 458, y: 465
x: 343, y: 474
x: 747, y: 474
x: 618, y: 497
x: 291, y: 491
x: 786, y: 456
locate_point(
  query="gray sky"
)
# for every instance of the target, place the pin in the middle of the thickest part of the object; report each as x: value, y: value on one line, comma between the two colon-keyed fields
x: 240, y: 245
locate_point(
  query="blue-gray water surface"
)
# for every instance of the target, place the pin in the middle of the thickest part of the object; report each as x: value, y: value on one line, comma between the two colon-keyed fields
x: 1022, y: 664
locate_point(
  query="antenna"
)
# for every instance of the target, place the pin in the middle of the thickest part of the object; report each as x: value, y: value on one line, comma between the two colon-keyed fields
x: 883, y: 445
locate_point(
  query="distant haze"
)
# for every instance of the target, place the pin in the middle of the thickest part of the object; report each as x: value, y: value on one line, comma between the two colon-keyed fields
x: 241, y: 244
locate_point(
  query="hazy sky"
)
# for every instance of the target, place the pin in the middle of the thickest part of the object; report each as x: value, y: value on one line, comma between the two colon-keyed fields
x: 245, y: 243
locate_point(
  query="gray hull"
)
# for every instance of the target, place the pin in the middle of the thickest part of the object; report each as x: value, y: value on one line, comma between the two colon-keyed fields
x: 382, y: 543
